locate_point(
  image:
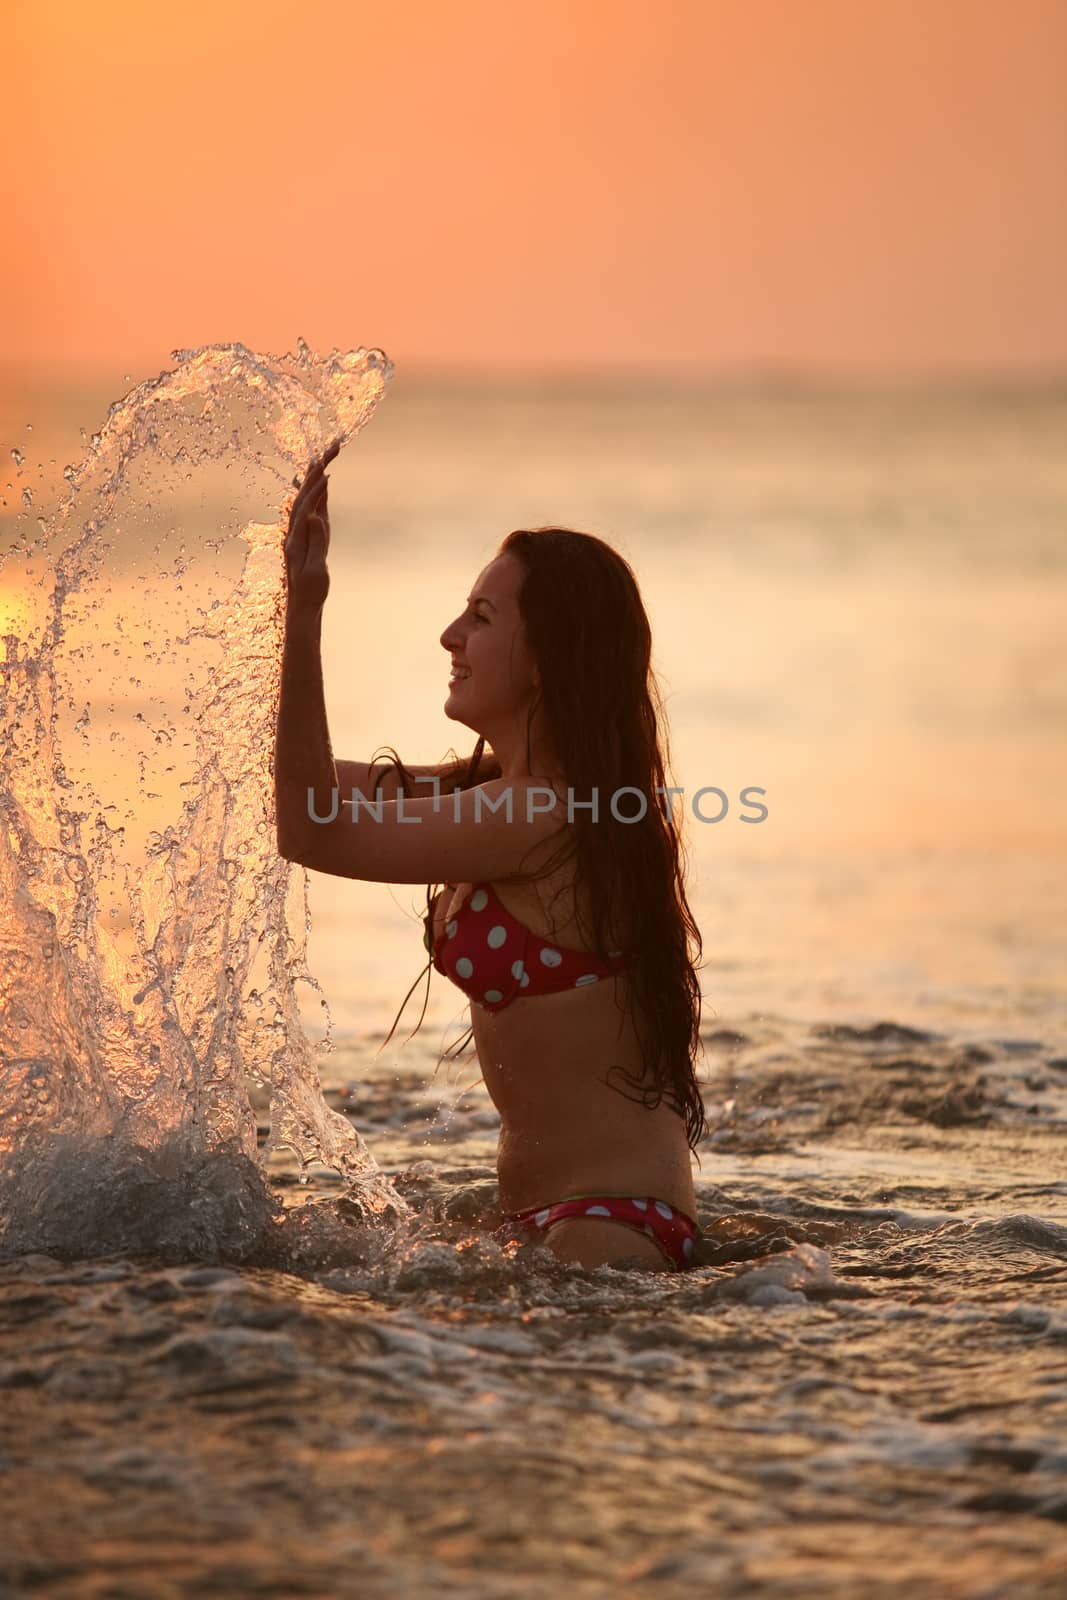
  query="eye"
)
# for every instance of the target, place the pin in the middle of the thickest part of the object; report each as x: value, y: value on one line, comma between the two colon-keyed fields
x: 478, y: 618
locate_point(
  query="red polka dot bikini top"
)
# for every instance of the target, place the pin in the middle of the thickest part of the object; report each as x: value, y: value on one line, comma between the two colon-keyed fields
x: 494, y: 958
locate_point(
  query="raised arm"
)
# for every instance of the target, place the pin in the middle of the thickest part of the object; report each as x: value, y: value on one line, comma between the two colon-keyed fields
x: 312, y: 827
x: 303, y: 760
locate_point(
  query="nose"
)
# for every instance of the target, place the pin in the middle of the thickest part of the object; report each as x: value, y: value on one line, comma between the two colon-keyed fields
x: 452, y: 637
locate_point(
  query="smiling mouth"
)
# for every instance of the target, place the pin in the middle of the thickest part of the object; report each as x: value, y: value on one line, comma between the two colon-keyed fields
x: 459, y: 677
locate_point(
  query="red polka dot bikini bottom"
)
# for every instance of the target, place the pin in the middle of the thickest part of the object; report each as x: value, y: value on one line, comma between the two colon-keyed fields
x: 671, y: 1229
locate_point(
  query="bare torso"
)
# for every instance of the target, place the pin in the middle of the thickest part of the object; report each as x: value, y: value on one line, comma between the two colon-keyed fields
x: 563, y: 1130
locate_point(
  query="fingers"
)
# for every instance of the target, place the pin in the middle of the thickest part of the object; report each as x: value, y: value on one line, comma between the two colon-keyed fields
x: 309, y: 539
x: 314, y: 484
x: 315, y: 501
x: 318, y: 464
x: 316, y: 517
x: 310, y: 519
x: 309, y: 485
x: 316, y: 508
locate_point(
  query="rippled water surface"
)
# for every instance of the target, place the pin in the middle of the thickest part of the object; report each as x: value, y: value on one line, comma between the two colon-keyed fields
x: 226, y: 1372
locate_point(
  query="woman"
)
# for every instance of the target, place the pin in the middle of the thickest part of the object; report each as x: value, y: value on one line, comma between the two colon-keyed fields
x: 565, y: 923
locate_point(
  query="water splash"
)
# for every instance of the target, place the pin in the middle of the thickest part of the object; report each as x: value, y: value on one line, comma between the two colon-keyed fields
x: 152, y: 938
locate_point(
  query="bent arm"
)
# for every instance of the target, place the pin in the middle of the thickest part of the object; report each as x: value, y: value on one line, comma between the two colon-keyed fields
x: 482, y: 833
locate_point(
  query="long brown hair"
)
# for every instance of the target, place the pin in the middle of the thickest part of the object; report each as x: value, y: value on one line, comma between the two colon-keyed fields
x: 589, y: 633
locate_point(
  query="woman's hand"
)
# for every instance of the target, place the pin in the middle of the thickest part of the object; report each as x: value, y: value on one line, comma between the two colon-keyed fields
x: 308, y: 539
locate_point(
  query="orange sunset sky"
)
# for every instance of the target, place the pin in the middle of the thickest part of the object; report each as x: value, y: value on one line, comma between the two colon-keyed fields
x: 694, y: 186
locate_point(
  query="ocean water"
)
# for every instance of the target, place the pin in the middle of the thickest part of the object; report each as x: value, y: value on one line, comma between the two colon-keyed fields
x: 231, y: 1367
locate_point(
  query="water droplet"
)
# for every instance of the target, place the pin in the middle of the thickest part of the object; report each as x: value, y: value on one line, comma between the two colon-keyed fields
x: 27, y: 497
x: 16, y: 456
x: 116, y: 598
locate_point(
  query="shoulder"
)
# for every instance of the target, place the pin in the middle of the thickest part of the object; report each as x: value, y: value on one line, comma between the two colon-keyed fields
x: 529, y: 798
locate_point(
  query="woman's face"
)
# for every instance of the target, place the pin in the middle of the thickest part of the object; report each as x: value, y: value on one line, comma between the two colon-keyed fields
x: 495, y: 674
